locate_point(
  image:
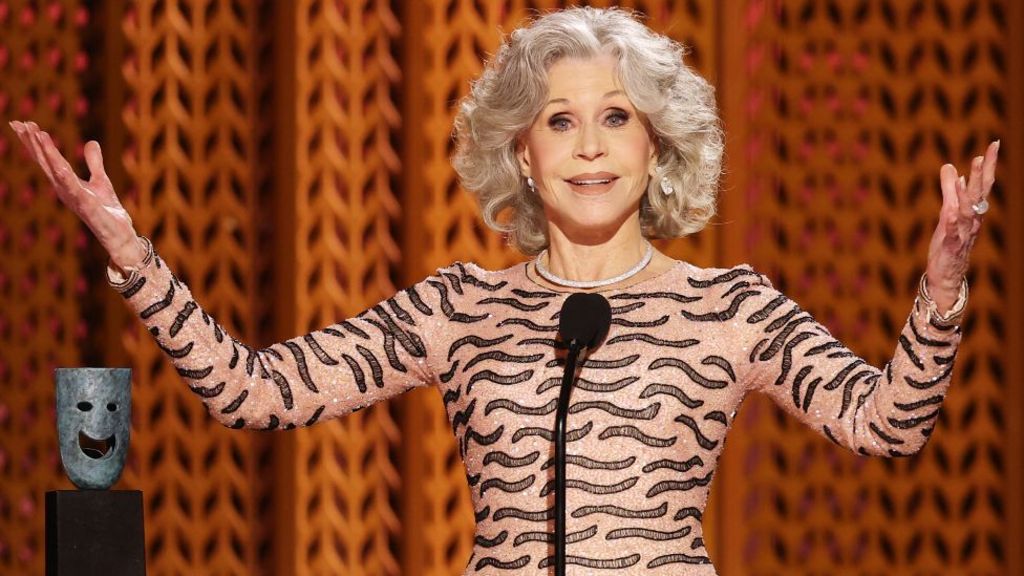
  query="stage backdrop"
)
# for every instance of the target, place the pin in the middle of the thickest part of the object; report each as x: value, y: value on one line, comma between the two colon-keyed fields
x: 290, y: 162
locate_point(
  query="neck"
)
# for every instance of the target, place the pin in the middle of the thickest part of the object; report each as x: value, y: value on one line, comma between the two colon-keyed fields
x: 575, y: 257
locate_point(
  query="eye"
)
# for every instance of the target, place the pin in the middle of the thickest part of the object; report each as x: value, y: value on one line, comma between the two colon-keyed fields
x: 559, y: 123
x: 617, y: 118
x: 112, y: 407
x: 84, y: 406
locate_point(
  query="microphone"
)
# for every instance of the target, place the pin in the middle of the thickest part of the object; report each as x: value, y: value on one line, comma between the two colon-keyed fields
x: 584, y: 319
x: 583, y: 323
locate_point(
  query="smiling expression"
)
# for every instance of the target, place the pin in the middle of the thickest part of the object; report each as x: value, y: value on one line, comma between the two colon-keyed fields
x: 93, y: 424
x: 589, y: 151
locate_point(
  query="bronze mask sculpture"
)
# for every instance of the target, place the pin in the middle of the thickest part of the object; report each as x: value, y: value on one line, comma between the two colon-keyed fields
x: 93, y: 423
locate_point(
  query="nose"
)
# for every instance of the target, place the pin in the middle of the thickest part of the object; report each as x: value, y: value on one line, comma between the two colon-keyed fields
x: 590, y: 143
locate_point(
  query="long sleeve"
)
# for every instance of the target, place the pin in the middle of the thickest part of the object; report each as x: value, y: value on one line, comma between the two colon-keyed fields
x: 889, y: 411
x: 380, y: 353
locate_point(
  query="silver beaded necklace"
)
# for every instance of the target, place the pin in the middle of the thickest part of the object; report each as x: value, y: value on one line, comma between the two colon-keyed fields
x: 593, y: 283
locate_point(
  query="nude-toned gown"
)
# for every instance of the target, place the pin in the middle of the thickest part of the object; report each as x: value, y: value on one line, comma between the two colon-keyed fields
x: 648, y: 416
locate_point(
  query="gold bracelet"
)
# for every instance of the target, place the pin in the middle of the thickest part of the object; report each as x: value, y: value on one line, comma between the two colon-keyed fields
x: 133, y: 271
x: 952, y: 316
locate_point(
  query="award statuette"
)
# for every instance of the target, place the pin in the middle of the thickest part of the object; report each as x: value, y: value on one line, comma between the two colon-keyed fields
x: 94, y: 530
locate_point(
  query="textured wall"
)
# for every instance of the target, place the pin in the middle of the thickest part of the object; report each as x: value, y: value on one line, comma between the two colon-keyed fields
x: 850, y: 110
x: 290, y: 161
x: 42, y: 322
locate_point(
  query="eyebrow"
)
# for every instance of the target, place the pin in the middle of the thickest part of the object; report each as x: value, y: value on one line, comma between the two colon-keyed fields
x: 566, y: 100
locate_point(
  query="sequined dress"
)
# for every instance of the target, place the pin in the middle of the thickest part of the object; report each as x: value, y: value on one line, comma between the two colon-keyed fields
x: 647, y: 420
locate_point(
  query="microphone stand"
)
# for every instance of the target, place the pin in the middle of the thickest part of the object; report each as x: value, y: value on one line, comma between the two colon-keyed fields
x: 560, y: 417
x: 584, y: 322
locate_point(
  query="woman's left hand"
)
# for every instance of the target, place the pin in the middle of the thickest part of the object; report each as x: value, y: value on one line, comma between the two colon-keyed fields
x: 959, y: 224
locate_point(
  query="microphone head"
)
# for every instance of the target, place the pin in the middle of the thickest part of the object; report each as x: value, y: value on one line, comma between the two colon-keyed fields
x: 585, y: 318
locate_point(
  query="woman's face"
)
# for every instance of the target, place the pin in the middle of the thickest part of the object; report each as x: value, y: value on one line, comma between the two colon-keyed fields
x: 588, y: 150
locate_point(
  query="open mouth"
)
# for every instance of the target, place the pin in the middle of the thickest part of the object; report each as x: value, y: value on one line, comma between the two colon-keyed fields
x: 591, y: 185
x: 94, y: 448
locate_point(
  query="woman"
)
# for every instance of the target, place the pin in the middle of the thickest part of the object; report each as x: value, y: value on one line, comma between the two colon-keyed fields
x: 590, y: 132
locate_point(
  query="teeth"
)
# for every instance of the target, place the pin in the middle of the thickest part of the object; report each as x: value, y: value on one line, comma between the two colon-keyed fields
x: 589, y: 182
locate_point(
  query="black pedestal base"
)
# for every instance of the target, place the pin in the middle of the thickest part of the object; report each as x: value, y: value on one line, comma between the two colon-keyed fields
x: 94, y: 533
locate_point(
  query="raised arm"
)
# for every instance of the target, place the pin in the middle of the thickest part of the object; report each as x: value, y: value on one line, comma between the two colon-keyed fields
x: 378, y: 354
x: 889, y: 411
x: 330, y: 372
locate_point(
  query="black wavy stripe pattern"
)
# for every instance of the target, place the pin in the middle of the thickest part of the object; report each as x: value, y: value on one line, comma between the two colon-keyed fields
x: 804, y: 360
x: 486, y: 365
x: 385, y: 340
x: 809, y: 363
x: 474, y: 373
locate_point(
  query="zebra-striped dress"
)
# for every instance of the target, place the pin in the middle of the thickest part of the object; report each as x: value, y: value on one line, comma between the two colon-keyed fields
x: 648, y: 416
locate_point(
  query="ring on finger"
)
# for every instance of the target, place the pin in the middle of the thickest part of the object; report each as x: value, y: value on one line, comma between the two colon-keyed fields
x: 981, y: 207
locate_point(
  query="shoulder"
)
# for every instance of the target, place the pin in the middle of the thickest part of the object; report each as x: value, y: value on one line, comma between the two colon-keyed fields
x: 739, y: 290
x: 468, y: 268
x: 730, y: 278
x: 458, y: 275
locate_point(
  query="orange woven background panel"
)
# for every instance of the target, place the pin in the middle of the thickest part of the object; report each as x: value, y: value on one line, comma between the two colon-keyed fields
x: 191, y: 161
x: 290, y: 161
x: 851, y: 108
x: 41, y: 283
x: 344, y: 258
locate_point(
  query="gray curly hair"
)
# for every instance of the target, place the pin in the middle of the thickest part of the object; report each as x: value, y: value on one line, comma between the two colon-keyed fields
x: 679, y: 106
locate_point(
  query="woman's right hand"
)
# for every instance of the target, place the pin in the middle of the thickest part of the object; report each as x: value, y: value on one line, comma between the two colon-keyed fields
x: 93, y: 201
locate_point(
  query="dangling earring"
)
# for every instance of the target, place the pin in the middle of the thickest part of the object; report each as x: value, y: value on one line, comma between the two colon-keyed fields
x: 531, y: 184
x: 666, y: 184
